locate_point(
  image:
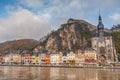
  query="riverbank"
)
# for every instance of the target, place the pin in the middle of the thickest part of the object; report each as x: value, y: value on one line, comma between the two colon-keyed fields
x: 65, y: 66
x: 51, y: 73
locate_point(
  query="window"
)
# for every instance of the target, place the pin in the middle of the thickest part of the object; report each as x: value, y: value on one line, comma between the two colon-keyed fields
x: 108, y: 50
x: 108, y: 38
x: 102, y: 50
x: 109, y: 56
x: 95, y: 46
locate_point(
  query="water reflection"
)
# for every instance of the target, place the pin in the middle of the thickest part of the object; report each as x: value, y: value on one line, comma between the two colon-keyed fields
x: 47, y: 73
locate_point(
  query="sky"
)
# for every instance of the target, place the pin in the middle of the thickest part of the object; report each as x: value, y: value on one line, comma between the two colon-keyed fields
x: 33, y: 19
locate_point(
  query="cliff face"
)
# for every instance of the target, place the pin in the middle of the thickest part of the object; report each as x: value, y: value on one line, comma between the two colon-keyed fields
x: 75, y: 34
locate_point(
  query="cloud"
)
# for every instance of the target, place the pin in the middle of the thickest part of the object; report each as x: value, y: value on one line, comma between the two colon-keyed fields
x: 64, y: 7
x: 22, y: 23
x: 61, y: 10
x: 116, y: 18
x: 58, y: 11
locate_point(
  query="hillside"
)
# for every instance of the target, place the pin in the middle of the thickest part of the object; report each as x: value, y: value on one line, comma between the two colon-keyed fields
x: 18, y: 44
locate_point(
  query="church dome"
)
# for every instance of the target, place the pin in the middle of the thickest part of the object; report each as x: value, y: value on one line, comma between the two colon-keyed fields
x: 100, y: 26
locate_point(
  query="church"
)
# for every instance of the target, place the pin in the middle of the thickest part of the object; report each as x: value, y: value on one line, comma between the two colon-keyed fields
x: 103, y: 44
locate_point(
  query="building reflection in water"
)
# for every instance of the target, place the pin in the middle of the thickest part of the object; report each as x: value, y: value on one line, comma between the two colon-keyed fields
x: 47, y: 73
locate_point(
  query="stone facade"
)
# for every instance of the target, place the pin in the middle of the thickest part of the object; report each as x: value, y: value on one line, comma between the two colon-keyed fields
x: 102, y: 42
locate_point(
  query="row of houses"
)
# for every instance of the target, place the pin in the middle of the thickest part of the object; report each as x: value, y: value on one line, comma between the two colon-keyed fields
x: 56, y: 58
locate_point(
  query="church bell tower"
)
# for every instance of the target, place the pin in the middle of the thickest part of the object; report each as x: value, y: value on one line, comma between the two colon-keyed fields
x: 100, y: 27
x: 103, y: 44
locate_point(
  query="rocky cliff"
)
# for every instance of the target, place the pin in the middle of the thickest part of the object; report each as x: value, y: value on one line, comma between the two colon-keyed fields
x: 75, y: 34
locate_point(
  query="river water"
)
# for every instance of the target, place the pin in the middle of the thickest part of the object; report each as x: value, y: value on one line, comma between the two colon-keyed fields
x: 52, y: 73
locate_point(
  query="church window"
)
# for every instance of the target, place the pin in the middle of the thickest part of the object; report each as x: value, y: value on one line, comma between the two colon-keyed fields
x: 95, y: 46
x: 102, y: 50
x: 108, y: 38
x: 108, y: 50
x: 109, y: 56
x: 101, y: 42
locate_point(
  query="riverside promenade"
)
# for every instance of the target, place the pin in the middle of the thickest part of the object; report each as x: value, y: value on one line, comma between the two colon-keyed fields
x: 63, y: 66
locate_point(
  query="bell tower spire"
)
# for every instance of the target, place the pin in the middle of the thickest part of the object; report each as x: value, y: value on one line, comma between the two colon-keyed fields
x: 100, y: 18
x: 100, y: 26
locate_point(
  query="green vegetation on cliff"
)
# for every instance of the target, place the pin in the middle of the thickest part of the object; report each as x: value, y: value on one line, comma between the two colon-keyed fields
x: 116, y: 39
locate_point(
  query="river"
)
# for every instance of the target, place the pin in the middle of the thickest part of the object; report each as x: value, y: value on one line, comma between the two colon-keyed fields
x: 52, y: 73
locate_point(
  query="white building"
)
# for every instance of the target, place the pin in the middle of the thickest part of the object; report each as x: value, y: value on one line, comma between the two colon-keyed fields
x: 17, y: 58
x: 80, y: 60
x: 8, y: 58
x: 54, y: 58
x: 71, y: 58
x: 61, y: 55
